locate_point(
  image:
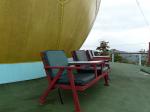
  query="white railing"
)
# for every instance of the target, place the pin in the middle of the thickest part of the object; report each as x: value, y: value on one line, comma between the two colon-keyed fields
x: 139, y: 54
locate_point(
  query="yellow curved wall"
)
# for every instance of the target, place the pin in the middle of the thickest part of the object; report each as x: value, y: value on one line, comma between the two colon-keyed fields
x: 30, y: 26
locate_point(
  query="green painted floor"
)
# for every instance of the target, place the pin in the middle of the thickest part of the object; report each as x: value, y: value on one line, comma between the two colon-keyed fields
x: 145, y: 69
x: 129, y: 91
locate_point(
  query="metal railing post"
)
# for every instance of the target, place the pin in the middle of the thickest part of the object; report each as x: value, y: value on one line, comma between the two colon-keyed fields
x: 113, y: 56
x: 140, y: 59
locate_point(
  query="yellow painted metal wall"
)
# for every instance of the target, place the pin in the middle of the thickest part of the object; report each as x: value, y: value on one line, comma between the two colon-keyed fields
x: 30, y: 26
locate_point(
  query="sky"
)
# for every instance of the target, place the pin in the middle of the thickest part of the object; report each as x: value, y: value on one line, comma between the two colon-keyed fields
x: 123, y: 24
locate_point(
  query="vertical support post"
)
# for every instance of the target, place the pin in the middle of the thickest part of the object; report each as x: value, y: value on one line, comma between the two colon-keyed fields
x: 149, y: 54
x: 140, y: 59
x: 113, y: 56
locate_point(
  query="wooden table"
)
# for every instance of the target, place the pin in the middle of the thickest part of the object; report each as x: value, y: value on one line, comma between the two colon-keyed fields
x: 85, y: 62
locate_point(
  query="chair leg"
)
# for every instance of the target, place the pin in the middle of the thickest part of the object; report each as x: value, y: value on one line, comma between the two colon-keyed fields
x: 45, y: 94
x: 50, y: 87
x: 60, y: 97
x: 75, y: 95
x: 108, y: 74
x: 106, y: 80
x: 76, y: 101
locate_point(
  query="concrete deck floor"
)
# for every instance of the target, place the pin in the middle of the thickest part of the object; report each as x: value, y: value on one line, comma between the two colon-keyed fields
x: 129, y: 91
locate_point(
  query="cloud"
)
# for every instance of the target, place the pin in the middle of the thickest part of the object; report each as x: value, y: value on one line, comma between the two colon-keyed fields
x: 122, y: 24
x: 128, y: 40
x: 120, y: 17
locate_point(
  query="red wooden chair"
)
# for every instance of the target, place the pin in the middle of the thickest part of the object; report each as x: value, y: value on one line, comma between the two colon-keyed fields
x: 61, y: 75
x: 82, y: 55
x: 92, y: 57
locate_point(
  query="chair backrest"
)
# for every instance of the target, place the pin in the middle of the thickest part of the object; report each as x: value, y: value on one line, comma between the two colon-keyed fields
x: 54, y: 58
x: 80, y: 55
x: 90, y: 54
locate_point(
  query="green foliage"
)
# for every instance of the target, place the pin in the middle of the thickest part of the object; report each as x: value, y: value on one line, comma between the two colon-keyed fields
x: 118, y: 57
x: 103, y: 48
x: 144, y: 62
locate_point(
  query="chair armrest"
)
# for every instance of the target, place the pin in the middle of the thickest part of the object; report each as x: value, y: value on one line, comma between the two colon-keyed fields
x: 62, y: 67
